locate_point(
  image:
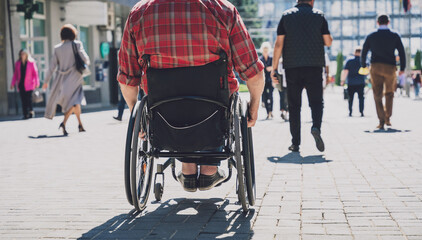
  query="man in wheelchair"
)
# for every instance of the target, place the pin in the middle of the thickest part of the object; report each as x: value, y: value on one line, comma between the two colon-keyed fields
x: 184, y: 34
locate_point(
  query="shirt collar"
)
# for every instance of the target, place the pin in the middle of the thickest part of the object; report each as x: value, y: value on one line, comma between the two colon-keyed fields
x: 383, y: 27
x: 303, y: 5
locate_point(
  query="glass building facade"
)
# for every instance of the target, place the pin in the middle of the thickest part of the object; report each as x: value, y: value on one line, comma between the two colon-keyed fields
x: 350, y: 21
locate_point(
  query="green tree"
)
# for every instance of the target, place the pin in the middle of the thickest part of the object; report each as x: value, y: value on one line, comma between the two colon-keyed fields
x: 418, y: 61
x: 340, y: 60
x: 248, y: 10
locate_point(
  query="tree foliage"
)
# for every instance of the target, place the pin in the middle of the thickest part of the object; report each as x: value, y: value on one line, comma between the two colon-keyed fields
x: 248, y: 10
x: 418, y: 61
x: 340, y: 60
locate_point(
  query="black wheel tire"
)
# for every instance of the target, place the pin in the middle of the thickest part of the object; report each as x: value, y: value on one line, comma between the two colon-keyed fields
x: 248, y: 158
x: 251, y: 182
x: 128, y: 153
x: 158, y: 191
x: 241, y: 186
x: 139, y: 202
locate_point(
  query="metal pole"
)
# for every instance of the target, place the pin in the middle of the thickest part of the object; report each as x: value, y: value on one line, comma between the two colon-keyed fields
x: 13, y: 54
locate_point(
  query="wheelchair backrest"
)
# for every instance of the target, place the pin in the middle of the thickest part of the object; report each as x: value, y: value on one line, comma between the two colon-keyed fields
x: 186, y: 101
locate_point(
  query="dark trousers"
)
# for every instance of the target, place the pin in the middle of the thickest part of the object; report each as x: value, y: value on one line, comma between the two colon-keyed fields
x: 359, y: 90
x: 267, y: 96
x: 298, y: 79
x: 26, y: 98
x: 283, y: 100
x: 121, y: 105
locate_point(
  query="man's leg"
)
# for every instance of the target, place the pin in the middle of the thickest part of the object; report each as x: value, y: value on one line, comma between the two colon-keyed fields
x: 294, y: 99
x: 189, y: 168
x: 361, y: 96
x: 314, y: 90
x: 351, y: 90
x: 377, y: 88
x: 390, y: 85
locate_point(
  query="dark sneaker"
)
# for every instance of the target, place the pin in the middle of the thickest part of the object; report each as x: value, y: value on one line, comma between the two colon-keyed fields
x: 294, y: 148
x: 381, y: 126
x: 318, y: 140
x: 362, y: 115
x: 189, y: 182
x: 118, y: 118
x: 206, y: 182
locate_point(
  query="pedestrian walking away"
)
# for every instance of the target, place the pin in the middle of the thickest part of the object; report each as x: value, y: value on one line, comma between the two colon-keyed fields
x: 26, y: 79
x: 282, y: 90
x: 267, y: 95
x: 186, y: 34
x: 303, y: 59
x: 66, y: 89
x: 417, y: 84
x: 383, y: 43
x: 355, y: 81
x: 122, y: 104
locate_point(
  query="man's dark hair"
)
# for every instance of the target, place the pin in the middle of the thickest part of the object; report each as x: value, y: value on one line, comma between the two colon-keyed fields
x: 68, y: 32
x: 383, y: 19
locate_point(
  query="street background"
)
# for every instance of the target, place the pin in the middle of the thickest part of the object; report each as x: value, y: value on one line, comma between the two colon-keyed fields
x: 367, y: 184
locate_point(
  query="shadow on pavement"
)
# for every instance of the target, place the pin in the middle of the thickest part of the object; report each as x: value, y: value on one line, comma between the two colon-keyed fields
x: 46, y: 136
x: 296, y: 158
x: 388, y: 130
x: 179, y: 218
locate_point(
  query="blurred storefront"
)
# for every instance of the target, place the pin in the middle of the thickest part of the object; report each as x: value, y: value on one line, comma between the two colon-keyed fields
x: 100, y: 26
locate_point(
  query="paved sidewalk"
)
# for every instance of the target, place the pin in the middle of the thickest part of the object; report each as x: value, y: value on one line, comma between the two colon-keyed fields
x: 367, y: 185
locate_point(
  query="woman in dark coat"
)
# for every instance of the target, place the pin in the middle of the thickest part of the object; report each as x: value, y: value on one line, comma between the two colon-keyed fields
x: 267, y: 95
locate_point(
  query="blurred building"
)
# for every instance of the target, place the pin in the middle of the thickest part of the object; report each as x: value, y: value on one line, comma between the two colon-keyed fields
x: 350, y: 21
x: 100, y: 26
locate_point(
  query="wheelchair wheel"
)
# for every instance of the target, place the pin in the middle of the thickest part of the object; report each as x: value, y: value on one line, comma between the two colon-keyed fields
x: 128, y: 151
x: 240, y: 160
x: 141, y: 165
x: 248, y: 159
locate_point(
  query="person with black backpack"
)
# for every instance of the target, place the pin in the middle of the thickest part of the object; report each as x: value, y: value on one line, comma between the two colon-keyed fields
x: 70, y: 63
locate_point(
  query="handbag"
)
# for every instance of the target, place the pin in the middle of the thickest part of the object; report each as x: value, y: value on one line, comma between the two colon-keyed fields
x: 79, y: 62
x: 37, y: 97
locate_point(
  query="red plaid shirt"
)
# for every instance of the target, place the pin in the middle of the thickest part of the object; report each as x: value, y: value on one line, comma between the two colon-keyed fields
x: 182, y: 33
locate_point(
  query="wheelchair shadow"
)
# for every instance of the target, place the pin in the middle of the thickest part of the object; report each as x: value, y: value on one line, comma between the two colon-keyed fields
x: 297, y: 158
x: 46, y: 136
x: 179, y: 218
x: 388, y: 130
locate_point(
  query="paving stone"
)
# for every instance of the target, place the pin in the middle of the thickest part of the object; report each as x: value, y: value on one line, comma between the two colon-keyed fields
x: 366, y: 185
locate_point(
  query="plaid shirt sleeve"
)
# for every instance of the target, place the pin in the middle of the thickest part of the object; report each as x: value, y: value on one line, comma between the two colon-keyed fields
x: 130, y: 71
x: 244, y: 56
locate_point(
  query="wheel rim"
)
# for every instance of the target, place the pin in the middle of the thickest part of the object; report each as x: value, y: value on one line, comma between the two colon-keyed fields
x: 141, y: 164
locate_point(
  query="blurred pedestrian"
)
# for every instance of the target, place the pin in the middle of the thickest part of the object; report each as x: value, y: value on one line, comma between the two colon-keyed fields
x: 326, y: 71
x: 121, y: 105
x: 282, y: 90
x: 267, y: 95
x: 66, y: 89
x: 303, y: 59
x: 355, y: 81
x: 26, y: 78
x: 383, y: 44
x: 417, y: 84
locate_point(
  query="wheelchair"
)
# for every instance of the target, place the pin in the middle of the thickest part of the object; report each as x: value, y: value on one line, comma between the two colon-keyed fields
x: 188, y: 114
